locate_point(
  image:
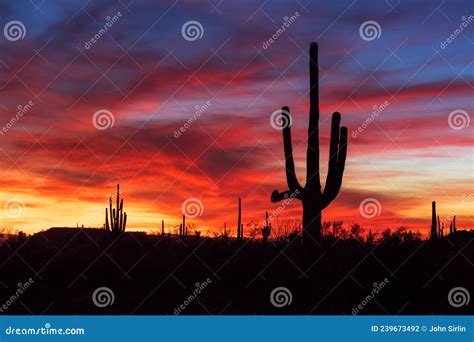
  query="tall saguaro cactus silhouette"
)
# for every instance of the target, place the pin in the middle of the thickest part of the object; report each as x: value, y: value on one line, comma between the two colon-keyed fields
x: 314, y: 200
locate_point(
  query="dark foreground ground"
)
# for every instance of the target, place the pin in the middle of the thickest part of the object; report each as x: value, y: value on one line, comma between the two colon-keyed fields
x: 157, y: 275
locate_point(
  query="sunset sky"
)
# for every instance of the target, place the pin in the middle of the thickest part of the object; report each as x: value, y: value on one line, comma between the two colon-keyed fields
x: 57, y: 168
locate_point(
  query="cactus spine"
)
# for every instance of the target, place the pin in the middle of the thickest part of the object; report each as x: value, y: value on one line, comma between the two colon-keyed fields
x: 313, y: 199
x: 118, y: 218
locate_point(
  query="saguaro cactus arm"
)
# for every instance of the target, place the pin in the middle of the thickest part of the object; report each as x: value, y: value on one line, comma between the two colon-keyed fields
x: 337, y: 160
x: 291, y: 179
x: 107, y: 227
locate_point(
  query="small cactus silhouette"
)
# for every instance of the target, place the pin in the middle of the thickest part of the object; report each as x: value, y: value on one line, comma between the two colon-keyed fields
x: 183, y: 229
x: 118, y: 218
x: 267, y: 228
x: 225, y: 233
x: 240, y: 226
x: 434, y: 226
x: 314, y: 200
